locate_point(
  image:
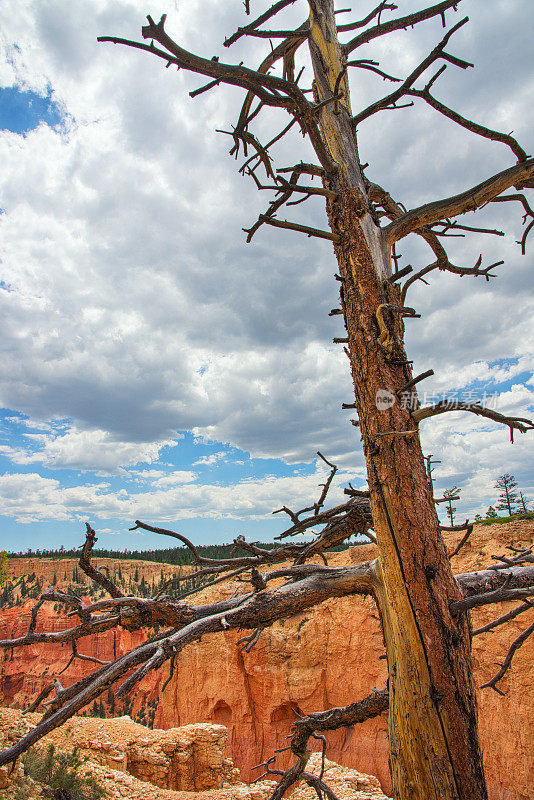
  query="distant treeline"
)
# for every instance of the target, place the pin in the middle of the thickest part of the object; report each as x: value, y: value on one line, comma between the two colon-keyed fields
x: 168, y: 555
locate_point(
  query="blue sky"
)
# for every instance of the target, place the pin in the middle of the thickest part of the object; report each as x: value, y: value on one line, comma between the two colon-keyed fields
x: 22, y: 111
x: 157, y: 367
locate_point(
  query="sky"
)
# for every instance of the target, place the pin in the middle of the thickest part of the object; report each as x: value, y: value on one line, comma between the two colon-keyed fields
x: 154, y: 365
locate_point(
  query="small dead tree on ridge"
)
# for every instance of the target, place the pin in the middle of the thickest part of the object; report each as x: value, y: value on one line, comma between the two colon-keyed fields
x: 435, y: 753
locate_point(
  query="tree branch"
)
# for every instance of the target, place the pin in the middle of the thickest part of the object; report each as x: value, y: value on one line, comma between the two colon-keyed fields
x: 507, y: 663
x: 293, y: 34
x: 271, y: 90
x: 391, y: 99
x: 468, y: 124
x: 274, y: 9
x: 401, y: 23
x: 251, y: 611
x: 444, y: 265
x: 529, y: 213
x: 295, y: 226
x: 372, y: 66
x: 279, y: 52
x: 90, y: 571
x: 463, y: 540
x: 371, y: 706
x: 470, y: 200
x: 493, y: 586
x: 310, y: 585
x: 351, y: 26
x: 504, y: 618
x: 514, y: 423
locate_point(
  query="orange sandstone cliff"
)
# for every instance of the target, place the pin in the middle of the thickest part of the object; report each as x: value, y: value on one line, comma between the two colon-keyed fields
x: 328, y: 656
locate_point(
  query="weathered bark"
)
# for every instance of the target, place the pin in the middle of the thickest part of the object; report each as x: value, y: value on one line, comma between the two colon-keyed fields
x: 435, y: 753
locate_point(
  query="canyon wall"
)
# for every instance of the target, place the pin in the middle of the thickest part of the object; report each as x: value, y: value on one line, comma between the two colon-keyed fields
x: 328, y: 656
x: 64, y: 571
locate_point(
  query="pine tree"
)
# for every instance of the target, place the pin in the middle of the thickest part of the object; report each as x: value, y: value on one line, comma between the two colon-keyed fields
x: 491, y: 513
x: 3, y: 567
x: 450, y: 495
x: 524, y: 506
x: 508, y: 496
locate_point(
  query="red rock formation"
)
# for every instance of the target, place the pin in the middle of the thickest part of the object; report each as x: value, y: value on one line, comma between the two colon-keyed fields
x: 131, y: 761
x: 65, y: 571
x: 326, y: 657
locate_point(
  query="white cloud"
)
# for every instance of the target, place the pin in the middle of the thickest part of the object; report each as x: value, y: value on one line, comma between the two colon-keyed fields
x: 136, y: 309
x: 176, y: 478
x: 87, y: 450
x: 209, y: 461
x: 30, y: 497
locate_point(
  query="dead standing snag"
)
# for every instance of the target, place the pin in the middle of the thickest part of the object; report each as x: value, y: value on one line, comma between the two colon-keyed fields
x: 435, y: 753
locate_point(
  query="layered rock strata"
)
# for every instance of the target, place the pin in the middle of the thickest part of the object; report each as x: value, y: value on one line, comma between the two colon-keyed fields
x: 328, y: 656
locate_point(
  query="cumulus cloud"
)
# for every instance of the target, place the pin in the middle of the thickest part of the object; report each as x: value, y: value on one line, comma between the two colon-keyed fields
x: 131, y: 305
x: 86, y: 450
x: 209, y: 461
x: 30, y: 497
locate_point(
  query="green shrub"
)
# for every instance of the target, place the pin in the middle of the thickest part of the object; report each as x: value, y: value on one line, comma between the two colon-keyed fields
x: 513, y: 518
x: 59, y: 775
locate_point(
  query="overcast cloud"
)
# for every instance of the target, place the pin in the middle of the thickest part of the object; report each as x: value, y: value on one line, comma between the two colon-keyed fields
x: 133, y: 311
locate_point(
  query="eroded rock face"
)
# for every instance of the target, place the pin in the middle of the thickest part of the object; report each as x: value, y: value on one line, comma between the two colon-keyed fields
x: 13, y: 726
x: 137, y: 763
x: 64, y: 571
x: 328, y: 656
x: 191, y: 758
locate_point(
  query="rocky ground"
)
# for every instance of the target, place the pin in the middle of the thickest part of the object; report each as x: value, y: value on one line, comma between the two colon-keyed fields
x: 188, y: 763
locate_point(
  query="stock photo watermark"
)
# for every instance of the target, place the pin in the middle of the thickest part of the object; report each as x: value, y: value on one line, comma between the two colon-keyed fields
x: 411, y: 401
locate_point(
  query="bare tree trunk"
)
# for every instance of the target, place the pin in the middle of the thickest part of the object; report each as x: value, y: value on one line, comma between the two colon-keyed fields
x: 435, y: 753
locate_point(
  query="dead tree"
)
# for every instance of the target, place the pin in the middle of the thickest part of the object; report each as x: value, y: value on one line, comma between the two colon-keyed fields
x: 435, y: 752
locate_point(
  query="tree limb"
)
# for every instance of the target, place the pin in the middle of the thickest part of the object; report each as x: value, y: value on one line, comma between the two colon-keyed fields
x: 371, y: 706
x: 310, y: 585
x: 90, y: 571
x: 493, y: 586
x: 351, y: 26
x: 250, y: 611
x: 470, y: 200
x: 504, y: 618
x: 468, y: 124
x: 507, y: 663
x: 391, y: 99
x: 274, y: 9
x: 443, y: 407
x: 444, y: 265
x: 271, y: 90
x: 401, y: 23
x: 463, y: 540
